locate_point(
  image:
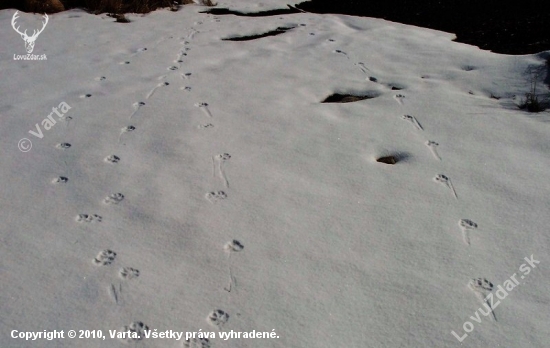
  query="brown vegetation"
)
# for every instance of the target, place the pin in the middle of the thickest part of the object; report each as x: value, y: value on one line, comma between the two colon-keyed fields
x: 97, y: 6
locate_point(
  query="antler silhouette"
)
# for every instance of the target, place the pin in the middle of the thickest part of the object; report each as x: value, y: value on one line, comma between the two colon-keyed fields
x: 29, y: 40
x: 15, y: 16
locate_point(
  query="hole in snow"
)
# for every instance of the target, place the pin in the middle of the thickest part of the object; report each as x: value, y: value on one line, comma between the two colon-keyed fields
x: 349, y: 98
x: 278, y: 31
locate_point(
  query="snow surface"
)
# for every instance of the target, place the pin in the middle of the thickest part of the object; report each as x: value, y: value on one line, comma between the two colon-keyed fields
x: 339, y: 250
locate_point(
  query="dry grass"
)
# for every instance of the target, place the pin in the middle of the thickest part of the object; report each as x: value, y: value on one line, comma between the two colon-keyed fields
x: 43, y: 6
x: 98, y: 6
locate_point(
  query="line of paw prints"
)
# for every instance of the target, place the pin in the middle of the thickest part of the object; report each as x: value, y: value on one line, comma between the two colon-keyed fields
x: 107, y: 257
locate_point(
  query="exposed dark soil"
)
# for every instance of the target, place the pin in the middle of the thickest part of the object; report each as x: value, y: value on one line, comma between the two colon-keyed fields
x: 518, y: 27
x: 225, y: 11
x: 347, y: 98
x: 278, y: 31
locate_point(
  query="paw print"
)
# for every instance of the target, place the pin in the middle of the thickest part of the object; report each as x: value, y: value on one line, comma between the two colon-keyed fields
x: 129, y: 273
x: 60, y: 180
x: 128, y: 129
x: 63, y: 146
x: 218, y: 318
x: 105, y: 257
x: 432, y: 143
x: 216, y: 196
x: 112, y: 159
x: 467, y: 224
x: 234, y: 245
x: 88, y: 218
x: 136, y: 329
x: 480, y: 285
x: 224, y: 156
x: 115, y: 198
x: 441, y: 178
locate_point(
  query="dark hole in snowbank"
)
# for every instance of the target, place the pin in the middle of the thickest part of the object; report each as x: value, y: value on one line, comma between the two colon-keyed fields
x: 278, y: 31
x: 226, y: 11
x: 349, y: 98
x: 393, y: 158
x: 387, y: 160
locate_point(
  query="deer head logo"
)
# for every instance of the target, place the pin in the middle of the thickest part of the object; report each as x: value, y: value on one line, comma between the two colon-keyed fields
x: 29, y: 40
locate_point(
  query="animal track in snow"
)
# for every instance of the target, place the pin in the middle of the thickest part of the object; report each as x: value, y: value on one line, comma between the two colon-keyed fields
x: 192, y: 34
x: 400, y: 98
x: 67, y: 119
x: 218, y: 318
x: 373, y: 79
x: 466, y: 226
x: 105, y: 257
x: 138, y: 51
x: 221, y: 159
x: 100, y: 78
x: 60, y: 180
x: 112, y: 159
x: 412, y: 120
x: 126, y: 129
x: 432, y: 145
x: 231, y: 247
x: 115, y: 198
x: 234, y: 245
x: 214, y: 197
x: 186, y: 88
x: 173, y: 67
x: 137, y: 106
x: 362, y: 66
x: 206, y: 125
x: 163, y: 84
x: 137, y: 331
x: 186, y: 75
x: 196, y: 343
x: 445, y: 180
x: 341, y: 52
x: 63, y: 146
x: 88, y: 218
x: 204, y: 108
x: 482, y: 287
x: 128, y: 273
x: 86, y: 96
